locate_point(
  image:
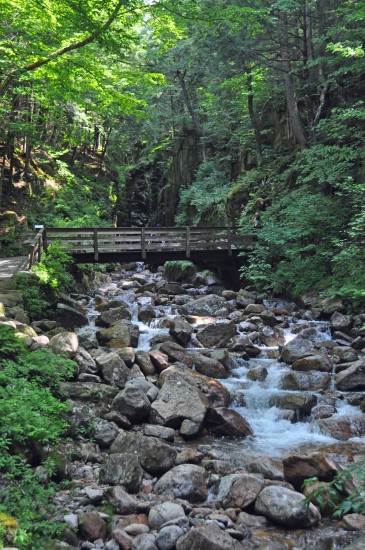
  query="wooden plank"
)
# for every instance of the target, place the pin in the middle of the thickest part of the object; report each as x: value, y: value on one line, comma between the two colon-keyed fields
x: 143, y: 243
x: 96, y: 252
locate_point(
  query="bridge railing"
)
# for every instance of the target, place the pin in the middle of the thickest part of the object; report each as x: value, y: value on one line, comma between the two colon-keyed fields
x: 36, y: 246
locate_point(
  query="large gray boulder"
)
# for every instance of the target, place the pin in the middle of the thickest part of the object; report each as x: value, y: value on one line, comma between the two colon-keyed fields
x: 186, y: 481
x: 351, y: 379
x: 227, y: 422
x: 155, y: 456
x: 297, y: 349
x: 217, y: 335
x: 70, y: 317
x: 181, y: 330
x: 121, y: 334
x: 133, y: 403
x: 112, y: 316
x: 176, y: 353
x: 306, y: 381
x: 286, y: 507
x: 205, y: 306
x: 164, y: 512
x: 122, y: 502
x: 208, y: 366
x: 313, y: 362
x: 239, y: 490
x: 114, y: 369
x: 122, y: 469
x: 65, y: 343
x: 208, y: 537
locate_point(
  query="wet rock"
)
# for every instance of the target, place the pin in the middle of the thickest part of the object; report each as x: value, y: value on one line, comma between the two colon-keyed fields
x: 186, y: 481
x: 224, y: 357
x: 323, y: 411
x: 164, y: 512
x: 111, y: 316
x: 127, y: 355
x: 351, y: 379
x: 286, y: 507
x: 342, y: 428
x: 119, y: 335
x: 297, y: 468
x: 144, y: 362
x: 353, y: 522
x: 65, y: 343
x: 306, y: 381
x: 133, y: 403
x: 239, y: 490
x: 188, y: 456
x: 181, y: 330
x: 113, y: 369
x: 104, y: 432
x: 227, y: 422
x: 302, y: 403
x: 171, y: 288
x: 257, y: 374
x: 313, y: 362
x: 208, y: 366
x: 344, y: 354
x: 296, y: 349
x: 271, y: 336
x: 269, y: 467
x: 206, y: 537
x: 122, y: 502
x: 357, y: 545
x: 91, y: 526
x: 176, y: 353
x: 122, y: 469
x: 341, y: 322
x: 207, y: 305
x: 217, y: 335
x: 244, y: 344
x: 155, y: 456
x: 146, y: 312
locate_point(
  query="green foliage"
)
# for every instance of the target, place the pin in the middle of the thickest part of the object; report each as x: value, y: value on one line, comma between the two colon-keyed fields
x: 182, y: 265
x: 353, y: 503
x: 36, y: 303
x: 52, y: 270
x: 179, y: 270
x: 204, y: 202
x: 31, y: 417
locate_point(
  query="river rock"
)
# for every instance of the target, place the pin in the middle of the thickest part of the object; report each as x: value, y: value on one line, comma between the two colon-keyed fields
x: 144, y: 362
x: 286, y: 507
x: 70, y: 317
x: 341, y: 322
x: 351, y: 379
x: 223, y: 356
x: 257, y: 373
x: 86, y: 362
x: 244, y: 344
x: 353, y: 522
x: 302, y: 403
x: 313, y: 362
x: 342, y: 428
x: 344, y: 354
x: 271, y: 336
x: 133, y: 403
x: 155, y: 456
x: 214, y: 391
x: 104, y: 432
x: 216, y: 335
x: 239, y: 490
x: 114, y: 369
x: 123, y: 540
x: 65, y: 343
x: 122, y: 502
x: 145, y: 541
x: 206, y: 305
x: 122, y: 469
x: 119, y: 335
x: 168, y: 536
x: 159, y: 360
x: 176, y: 353
x: 305, y: 381
x: 208, y: 366
x: 269, y: 467
x: 87, y: 391
x: 91, y: 526
x: 181, y: 330
x: 186, y: 481
x: 296, y: 349
x: 111, y: 316
x: 208, y: 537
x: 297, y: 468
x: 161, y: 432
x: 227, y: 422
x: 164, y: 512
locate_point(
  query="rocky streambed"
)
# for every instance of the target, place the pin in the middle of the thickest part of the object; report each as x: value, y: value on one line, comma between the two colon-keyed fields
x: 197, y: 412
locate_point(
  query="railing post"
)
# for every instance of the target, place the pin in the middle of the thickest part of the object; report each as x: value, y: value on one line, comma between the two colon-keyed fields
x: 143, y: 243
x: 45, y: 241
x: 229, y: 241
x: 40, y: 244
x: 188, y: 242
x: 31, y: 257
x: 96, y: 249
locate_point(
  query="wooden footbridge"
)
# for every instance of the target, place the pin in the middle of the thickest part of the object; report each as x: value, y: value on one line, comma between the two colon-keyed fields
x: 150, y: 244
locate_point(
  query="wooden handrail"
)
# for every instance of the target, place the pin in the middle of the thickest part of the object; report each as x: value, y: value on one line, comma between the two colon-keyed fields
x: 36, y: 247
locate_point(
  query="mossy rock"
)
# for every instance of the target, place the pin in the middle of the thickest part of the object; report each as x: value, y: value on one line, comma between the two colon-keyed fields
x: 7, y: 522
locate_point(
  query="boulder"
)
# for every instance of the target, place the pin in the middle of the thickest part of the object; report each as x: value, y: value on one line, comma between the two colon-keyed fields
x: 113, y: 369
x: 155, y: 456
x: 87, y: 391
x: 209, y: 367
x: 122, y: 502
x: 344, y: 354
x: 227, y: 422
x: 239, y: 490
x: 342, y: 428
x: 70, y: 317
x: 296, y: 349
x: 270, y: 468
x: 244, y: 344
x: 313, y: 362
x: 176, y: 353
x: 207, y: 305
x: 353, y: 522
x: 133, y: 403
x: 65, y: 343
x: 85, y: 361
x: 217, y: 335
x: 208, y: 537
x: 164, y: 512
x: 341, y: 322
x: 111, y: 316
x: 305, y: 381
x: 145, y: 541
x: 351, y: 379
x: 168, y: 536
x: 119, y: 335
x: 302, y: 403
x: 286, y: 507
x: 181, y: 330
x: 159, y: 360
x: 104, y: 432
x: 297, y: 468
x: 91, y: 526
x: 144, y: 362
x: 186, y: 481
x: 122, y: 469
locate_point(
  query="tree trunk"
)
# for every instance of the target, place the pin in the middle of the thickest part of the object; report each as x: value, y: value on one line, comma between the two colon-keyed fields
x: 253, y: 119
x: 194, y: 117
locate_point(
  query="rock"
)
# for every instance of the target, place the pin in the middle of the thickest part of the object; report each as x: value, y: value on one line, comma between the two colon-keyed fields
x: 345, y: 354
x: 330, y: 305
x: 305, y: 381
x: 257, y: 373
x: 313, y: 362
x: 239, y: 490
x: 357, y: 545
x: 353, y: 522
x: 128, y: 355
x: 208, y: 537
x: 302, y: 403
x: 119, y: 335
x: 122, y: 502
x: 168, y: 536
x: 91, y: 526
x: 297, y: 468
x: 286, y: 507
x: 224, y: 357
x: 122, y: 469
x: 245, y: 344
x: 144, y: 362
x: 342, y: 428
x: 181, y: 330
x: 161, y: 513
x: 85, y: 362
x: 114, y: 369
x: 176, y: 353
x: 217, y: 335
x: 65, y: 343
x: 135, y: 529
x: 159, y: 359
x: 269, y: 467
x: 186, y: 481
x: 94, y: 495
x: 133, y: 403
x: 323, y: 495
x: 87, y: 391
x: 155, y: 456
x: 209, y: 367
x: 351, y: 379
x: 161, y: 432
x: 111, y: 316
x: 322, y: 411
x: 207, y: 305
x: 341, y: 322
x: 146, y: 541
x: 69, y: 317
x: 271, y: 336
x: 189, y: 429
x: 227, y: 422
x: 296, y: 349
